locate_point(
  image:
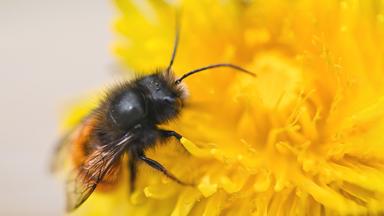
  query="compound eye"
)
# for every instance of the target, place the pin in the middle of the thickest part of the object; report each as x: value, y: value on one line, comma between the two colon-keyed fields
x: 127, y: 110
x: 169, y: 100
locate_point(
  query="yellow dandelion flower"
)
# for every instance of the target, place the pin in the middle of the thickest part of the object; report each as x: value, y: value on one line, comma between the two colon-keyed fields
x: 306, y: 137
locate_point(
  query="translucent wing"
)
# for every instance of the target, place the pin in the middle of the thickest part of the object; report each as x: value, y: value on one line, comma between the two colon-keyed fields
x: 102, y: 164
x: 64, y: 146
x: 60, y: 153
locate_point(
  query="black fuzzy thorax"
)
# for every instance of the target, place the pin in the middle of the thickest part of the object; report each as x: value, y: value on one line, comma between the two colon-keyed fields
x: 153, y: 89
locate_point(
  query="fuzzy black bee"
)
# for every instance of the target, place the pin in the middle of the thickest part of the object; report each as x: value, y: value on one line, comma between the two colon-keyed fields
x: 126, y: 122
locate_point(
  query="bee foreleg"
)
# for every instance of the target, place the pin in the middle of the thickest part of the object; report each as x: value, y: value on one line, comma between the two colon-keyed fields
x: 170, y: 133
x: 156, y: 165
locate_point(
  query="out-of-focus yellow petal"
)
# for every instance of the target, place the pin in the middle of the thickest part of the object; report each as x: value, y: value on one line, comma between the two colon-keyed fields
x: 306, y: 137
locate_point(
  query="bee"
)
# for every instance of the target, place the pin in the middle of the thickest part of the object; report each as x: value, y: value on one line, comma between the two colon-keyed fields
x: 126, y: 122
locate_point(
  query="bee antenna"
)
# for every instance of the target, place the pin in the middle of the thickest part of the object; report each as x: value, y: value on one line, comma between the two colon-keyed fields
x: 176, y: 42
x: 214, y: 66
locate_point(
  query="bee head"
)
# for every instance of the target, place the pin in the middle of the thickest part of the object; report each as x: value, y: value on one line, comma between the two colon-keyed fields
x: 163, y: 97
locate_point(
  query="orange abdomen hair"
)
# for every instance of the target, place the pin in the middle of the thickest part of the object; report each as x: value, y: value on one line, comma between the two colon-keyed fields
x: 84, y: 145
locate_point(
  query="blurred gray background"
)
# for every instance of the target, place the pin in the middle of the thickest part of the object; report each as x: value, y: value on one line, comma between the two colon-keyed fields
x: 50, y: 52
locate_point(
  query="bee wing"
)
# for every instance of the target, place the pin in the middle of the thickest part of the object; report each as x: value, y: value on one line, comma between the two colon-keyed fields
x: 102, y: 162
x: 61, y: 152
x: 63, y: 146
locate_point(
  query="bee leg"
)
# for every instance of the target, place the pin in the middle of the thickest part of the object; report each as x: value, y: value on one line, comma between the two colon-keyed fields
x: 169, y: 133
x: 132, y: 165
x: 156, y: 165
